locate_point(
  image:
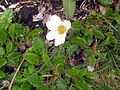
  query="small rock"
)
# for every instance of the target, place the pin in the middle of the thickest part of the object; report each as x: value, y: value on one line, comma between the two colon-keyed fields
x: 90, y: 68
x: 102, y: 9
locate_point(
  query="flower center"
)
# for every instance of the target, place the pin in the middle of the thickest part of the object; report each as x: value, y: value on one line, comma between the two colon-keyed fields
x: 61, y: 29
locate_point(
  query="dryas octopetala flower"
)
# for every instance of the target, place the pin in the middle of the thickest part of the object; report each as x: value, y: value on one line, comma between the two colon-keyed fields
x: 58, y: 29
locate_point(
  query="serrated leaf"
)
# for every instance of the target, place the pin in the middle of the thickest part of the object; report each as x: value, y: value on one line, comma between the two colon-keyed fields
x: 6, y: 15
x: 16, y: 30
x: 76, y: 73
x: 35, y: 80
x: 2, y: 74
x: 92, y: 59
x: 31, y: 69
x: 61, y: 85
x: 2, y: 51
x: 34, y: 33
x: 69, y: 7
x: 76, y: 25
x: 70, y: 49
x: 104, y: 87
x: 38, y: 46
x: 99, y: 34
x: 111, y: 41
x: 6, y: 18
x: 59, y: 58
x: 13, y: 57
x: 79, y: 41
x: 2, y: 62
x: 46, y: 58
x: 32, y: 58
x: 9, y: 47
x: 88, y: 36
x: 82, y: 85
x: 105, y: 2
x: 25, y: 86
x: 3, y: 36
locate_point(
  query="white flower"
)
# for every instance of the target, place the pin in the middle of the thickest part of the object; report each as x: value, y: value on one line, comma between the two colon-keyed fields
x: 90, y: 68
x: 58, y: 29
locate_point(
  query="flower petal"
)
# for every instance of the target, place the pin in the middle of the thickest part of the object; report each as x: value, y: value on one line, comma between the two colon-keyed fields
x: 67, y: 24
x: 59, y: 39
x: 51, y: 35
x: 53, y: 22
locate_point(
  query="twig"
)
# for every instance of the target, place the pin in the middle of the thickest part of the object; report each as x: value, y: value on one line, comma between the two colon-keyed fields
x: 6, y: 2
x: 114, y: 28
x: 48, y: 75
x: 114, y: 61
x: 2, y: 7
x: 1, y: 88
x: 111, y: 25
x: 10, y: 86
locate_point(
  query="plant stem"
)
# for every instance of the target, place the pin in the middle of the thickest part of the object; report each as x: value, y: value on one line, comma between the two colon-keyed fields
x: 10, y: 86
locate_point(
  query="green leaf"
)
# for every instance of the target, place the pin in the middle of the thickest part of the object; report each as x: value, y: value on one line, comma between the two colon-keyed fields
x: 46, y: 58
x: 79, y: 41
x: 38, y: 46
x: 3, y: 36
x: 2, y: 74
x: 6, y: 18
x: 70, y: 49
x: 16, y: 87
x: 13, y: 57
x: 59, y: 58
x: 103, y: 86
x: 35, y: 80
x: 99, y: 34
x: 12, y: 31
x: 16, y: 30
x: 105, y: 2
x: 76, y: 73
x: 91, y: 56
x: 43, y: 87
x: 82, y: 85
x: 9, y: 47
x: 32, y: 58
x: 91, y: 59
x: 76, y: 25
x: 31, y: 69
x: 2, y: 62
x: 117, y: 18
x: 69, y: 7
x: 34, y: 33
x: 2, y: 51
x: 25, y: 86
x: 61, y: 85
x: 88, y: 36
x: 110, y: 41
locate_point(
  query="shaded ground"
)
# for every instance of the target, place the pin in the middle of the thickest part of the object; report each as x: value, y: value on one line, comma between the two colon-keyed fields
x: 26, y: 10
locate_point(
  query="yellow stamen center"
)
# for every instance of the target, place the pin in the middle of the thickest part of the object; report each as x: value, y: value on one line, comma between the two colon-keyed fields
x: 61, y: 29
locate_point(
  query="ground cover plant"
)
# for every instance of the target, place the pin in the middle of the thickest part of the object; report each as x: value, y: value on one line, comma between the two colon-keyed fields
x: 59, y: 44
